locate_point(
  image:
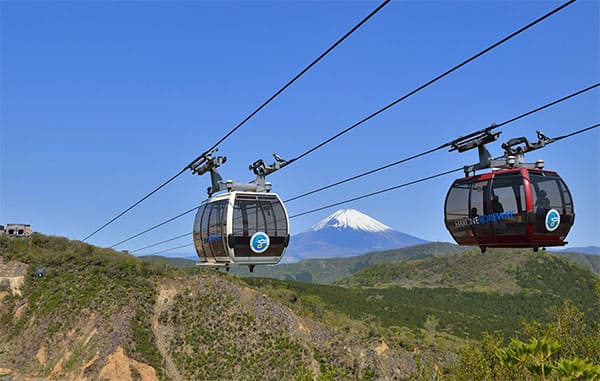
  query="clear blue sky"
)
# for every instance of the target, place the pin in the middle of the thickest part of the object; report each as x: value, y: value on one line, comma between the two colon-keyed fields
x: 103, y: 101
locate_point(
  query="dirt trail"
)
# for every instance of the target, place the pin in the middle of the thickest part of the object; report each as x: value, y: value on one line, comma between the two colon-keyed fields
x: 166, y: 294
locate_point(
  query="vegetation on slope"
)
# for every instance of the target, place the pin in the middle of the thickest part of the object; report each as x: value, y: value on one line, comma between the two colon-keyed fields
x: 497, y: 270
x: 101, y: 297
x: 327, y: 271
x: 92, y: 304
x: 192, y: 324
x: 472, y: 270
x: 218, y: 329
x: 178, y: 263
x: 566, y: 348
x: 213, y: 335
x: 590, y: 261
x: 460, y: 313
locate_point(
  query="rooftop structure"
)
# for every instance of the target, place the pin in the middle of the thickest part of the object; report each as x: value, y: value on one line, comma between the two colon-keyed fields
x: 17, y: 230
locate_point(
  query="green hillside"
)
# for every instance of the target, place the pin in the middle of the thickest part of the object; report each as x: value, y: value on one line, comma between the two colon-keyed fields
x: 100, y: 296
x: 167, y: 261
x: 590, y: 261
x: 502, y: 273
x: 327, y: 271
x: 101, y: 314
x: 495, y: 270
x: 465, y: 314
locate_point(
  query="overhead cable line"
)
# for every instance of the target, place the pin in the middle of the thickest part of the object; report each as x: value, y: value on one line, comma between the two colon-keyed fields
x: 425, y: 178
x: 246, y: 119
x: 548, y: 105
x: 427, y: 84
x: 155, y: 226
x: 321, y: 208
x: 383, y: 190
x: 445, y: 145
x: 382, y: 109
x: 577, y: 132
x: 294, y: 79
x: 134, y: 205
x: 161, y: 242
x: 511, y: 120
x: 377, y: 192
x: 172, y: 248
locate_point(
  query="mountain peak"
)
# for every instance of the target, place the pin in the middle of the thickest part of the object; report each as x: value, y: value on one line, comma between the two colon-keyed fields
x: 351, y: 219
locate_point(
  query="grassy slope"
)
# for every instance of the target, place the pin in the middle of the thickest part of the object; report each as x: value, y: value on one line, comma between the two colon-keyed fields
x: 166, y: 261
x: 586, y: 260
x: 219, y: 329
x: 84, y: 290
x: 327, y: 271
x: 523, y: 284
x: 471, y: 270
x: 496, y: 270
x: 93, y: 300
x: 186, y: 324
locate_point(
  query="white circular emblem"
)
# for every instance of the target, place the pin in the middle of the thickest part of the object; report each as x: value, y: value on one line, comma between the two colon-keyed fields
x: 552, y: 220
x: 259, y: 242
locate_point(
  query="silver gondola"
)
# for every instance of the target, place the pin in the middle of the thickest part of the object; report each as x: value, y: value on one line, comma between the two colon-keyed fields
x: 246, y: 224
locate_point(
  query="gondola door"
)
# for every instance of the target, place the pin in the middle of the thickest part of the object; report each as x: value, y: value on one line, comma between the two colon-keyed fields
x: 508, y: 210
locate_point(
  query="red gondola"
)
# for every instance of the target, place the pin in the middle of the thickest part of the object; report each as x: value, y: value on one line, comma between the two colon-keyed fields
x: 516, y: 205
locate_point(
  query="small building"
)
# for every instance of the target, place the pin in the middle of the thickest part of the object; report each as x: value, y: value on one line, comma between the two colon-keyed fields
x: 17, y: 230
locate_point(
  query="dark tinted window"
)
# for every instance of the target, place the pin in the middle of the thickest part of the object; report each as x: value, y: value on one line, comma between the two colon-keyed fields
x: 546, y: 193
x: 209, y: 230
x: 198, y: 233
x: 550, y: 192
x: 254, y: 213
x: 457, y: 209
x: 215, y: 216
x: 568, y: 202
x: 508, y: 205
x: 480, y: 206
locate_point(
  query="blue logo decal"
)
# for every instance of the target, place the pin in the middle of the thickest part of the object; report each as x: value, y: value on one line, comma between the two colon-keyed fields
x: 259, y: 242
x: 484, y: 219
x: 552, y: 220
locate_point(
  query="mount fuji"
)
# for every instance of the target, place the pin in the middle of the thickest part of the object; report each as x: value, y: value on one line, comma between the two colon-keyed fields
x: 345, y: 233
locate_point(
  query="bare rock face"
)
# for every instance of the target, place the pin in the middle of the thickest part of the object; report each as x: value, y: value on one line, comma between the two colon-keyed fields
x: 120, y: 367
x: 12, y: 276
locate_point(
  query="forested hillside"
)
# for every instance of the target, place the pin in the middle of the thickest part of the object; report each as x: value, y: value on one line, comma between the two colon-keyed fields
x: 591, y: 261
x: 501, y: 270
x: 327, y: 271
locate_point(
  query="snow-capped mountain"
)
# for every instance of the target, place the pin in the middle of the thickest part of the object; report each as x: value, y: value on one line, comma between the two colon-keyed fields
x: 352, y: 219
x: 345, y: 233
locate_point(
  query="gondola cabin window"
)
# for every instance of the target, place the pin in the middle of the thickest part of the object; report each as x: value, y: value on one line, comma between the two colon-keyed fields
x: 258, y: 213
x: 216, y: 238
x: 480, y: 207
x: 508, y: 200
x: 457, y: 209
x: 209, y: 234
x: 549, y: 193
x: 198, y: 232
